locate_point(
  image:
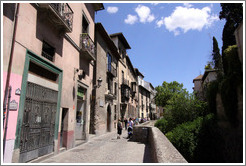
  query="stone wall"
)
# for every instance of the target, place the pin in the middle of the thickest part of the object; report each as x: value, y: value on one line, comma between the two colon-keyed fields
x: 161, y: 149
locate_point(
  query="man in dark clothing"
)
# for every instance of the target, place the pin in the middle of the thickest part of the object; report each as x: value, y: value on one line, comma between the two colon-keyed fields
x: 126, y: 122
x: 119, y: 129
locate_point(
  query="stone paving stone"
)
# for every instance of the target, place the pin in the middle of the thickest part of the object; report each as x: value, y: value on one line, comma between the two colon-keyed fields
x: 104, y: 149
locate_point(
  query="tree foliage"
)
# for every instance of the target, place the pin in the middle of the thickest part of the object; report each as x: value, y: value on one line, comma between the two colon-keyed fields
x: 179, y: 105
x: 233, y: 13
x: 166, y: 91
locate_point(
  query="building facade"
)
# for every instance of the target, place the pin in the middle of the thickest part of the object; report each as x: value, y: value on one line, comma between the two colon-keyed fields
x: 153, y: 109
x: 123, y: 86
x: 49, y: 66
x: 198, y: 86
x: 132, y: 82
x: 143, y: 96
x: 105, y: 96
x: 64, y: 78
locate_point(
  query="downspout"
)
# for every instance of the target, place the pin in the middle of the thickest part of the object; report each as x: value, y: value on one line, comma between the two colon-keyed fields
x: 10, y: 64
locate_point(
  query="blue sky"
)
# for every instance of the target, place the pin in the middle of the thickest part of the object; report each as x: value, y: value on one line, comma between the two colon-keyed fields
x: 169, y: 41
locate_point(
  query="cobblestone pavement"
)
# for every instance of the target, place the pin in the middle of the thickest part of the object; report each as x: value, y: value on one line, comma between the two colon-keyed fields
x: 105, y: 149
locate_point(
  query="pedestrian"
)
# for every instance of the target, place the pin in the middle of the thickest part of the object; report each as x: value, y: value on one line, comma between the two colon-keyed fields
x: 130, y: 128
x: 126, y: 122
x: 119, y: 129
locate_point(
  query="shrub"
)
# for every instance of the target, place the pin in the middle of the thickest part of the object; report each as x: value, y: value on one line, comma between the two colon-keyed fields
x: 164, y: 124
x: 199, y: 140
x: 184, y: 138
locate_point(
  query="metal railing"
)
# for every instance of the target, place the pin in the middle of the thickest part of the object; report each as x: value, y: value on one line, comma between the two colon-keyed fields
x: 65, y: 12
x: 87, y: 44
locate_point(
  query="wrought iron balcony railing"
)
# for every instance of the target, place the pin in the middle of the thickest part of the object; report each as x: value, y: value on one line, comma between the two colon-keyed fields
x: 60, y: 14
x: 87, y: 46
x: 64, y: 10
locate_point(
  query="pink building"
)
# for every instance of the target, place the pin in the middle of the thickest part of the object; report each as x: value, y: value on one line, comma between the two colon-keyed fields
x: 48, y: 58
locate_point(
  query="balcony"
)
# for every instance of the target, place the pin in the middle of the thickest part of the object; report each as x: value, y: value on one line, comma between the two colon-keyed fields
x: 125, y: 93
x: 87, y: 46
x: 109, y: 95
x: 60, y: 14
x: 112, y: 70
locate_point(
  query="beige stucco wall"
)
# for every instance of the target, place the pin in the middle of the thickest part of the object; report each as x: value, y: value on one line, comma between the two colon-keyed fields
x: 8, y: 27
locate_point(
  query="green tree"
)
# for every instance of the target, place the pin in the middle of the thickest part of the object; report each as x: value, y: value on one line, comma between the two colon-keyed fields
x: 216, y: 55
x: 166, y: 91
x: 179, y: 105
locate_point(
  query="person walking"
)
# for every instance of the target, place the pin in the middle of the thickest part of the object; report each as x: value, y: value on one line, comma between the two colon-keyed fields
x: 119, y: 129
x: 126, y: 122
x: 130, y: 128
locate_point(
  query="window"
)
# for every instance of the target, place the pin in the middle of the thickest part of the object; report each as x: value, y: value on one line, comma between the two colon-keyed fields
x: 48, y: 51
x: 110, y: 85
x: 122, y: 77
x: 115, y: 88
x: 109, y: 57
x: 85, y: 25
x: 133, y: 86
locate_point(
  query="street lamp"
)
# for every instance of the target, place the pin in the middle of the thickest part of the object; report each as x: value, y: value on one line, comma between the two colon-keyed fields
x: 99, y: 83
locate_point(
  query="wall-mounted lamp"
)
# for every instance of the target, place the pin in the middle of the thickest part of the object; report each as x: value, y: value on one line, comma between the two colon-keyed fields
x: 99, y: 83
x: 80, y: 72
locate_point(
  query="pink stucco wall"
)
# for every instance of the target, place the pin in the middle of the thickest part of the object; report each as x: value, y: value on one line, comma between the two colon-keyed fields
x: 15, y: 82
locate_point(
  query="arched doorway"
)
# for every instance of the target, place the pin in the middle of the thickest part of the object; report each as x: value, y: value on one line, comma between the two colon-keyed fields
x: 108, y: 118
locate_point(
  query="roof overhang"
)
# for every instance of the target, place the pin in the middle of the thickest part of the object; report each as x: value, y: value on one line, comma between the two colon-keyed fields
x: 98, y: 6
x: 122, y: 39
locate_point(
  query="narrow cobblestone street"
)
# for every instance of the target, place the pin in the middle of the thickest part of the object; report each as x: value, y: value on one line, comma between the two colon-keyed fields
x: 105, y: 149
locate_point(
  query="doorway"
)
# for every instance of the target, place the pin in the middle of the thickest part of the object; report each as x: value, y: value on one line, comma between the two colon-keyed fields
x: 64, y: 121
x: 80, y: 114
x: 109, y: 118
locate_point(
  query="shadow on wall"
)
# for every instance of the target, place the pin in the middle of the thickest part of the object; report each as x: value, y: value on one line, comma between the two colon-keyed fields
x: 46, y: 31
x: 84, y: 64
x: 9, y: 10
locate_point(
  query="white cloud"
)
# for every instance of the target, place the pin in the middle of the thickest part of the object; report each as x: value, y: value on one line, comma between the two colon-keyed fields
x: 130, y: 19
x: 160, y: 22
x: 186, y: 19
x: 112, y: 9
x: 188, y: 5
x: 154, y: 4
x: 144, y: 14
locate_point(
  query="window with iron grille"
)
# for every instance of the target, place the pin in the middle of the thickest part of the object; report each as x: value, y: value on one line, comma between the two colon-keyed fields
x: 48, y: 51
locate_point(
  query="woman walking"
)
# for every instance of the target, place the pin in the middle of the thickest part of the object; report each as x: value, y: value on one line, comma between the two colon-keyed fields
x: 119, y: 129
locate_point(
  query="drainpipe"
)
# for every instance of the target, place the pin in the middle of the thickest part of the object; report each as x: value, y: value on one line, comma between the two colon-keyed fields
x: 6, y: 125
x: 10, y: 63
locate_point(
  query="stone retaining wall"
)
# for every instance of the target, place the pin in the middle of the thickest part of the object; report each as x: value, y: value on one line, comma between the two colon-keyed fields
x: 161, y: 149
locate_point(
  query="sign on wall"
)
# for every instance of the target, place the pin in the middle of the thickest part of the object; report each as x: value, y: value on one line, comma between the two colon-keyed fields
x: 13, y: 105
